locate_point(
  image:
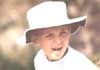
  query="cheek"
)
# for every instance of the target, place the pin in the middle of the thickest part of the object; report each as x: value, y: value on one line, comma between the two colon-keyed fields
x: 66, y: 39
x: 44, y: 44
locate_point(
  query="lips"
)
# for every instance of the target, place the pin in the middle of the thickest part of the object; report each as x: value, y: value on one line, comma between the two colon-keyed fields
x: 56, y: 49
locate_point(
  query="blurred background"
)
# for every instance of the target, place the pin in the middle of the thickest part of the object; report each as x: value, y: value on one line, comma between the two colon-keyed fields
x: 13, y: 22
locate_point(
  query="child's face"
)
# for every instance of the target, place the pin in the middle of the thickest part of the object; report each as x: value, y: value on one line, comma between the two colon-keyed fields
x: 54, y: 41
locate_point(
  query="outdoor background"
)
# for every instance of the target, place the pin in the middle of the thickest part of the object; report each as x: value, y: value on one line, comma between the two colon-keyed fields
x: 13, y: 22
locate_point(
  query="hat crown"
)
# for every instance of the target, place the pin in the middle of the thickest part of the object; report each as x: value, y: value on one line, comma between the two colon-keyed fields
x: 47, y: 14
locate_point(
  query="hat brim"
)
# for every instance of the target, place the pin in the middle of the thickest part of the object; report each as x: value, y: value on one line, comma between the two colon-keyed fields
x: 75, y: 23
x: 74, y: 26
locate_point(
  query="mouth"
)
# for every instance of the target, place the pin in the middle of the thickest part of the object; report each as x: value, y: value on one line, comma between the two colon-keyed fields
x: 56, y: 49
x: 56, y: 53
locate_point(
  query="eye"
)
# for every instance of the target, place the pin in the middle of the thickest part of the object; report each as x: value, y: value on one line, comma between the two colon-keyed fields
x: 50, y: 35
x: 63, y: 34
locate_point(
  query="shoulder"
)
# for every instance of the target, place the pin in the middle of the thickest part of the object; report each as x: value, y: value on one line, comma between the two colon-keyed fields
x: 39, y: 56
x: 39, y: 59
x: 81, y: 60
x: 78, y: 56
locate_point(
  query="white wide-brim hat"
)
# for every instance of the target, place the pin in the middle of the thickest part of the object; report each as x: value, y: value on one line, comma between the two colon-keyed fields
x: 47, y: 14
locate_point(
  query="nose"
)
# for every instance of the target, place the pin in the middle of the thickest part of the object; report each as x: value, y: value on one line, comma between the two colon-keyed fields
x: 57, y: 40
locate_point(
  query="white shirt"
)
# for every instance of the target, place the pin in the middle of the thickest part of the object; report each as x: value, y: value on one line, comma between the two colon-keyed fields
x: 73, y: 60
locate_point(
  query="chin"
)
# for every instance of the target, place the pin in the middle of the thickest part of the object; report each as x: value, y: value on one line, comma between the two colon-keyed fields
x: 55, y: 57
